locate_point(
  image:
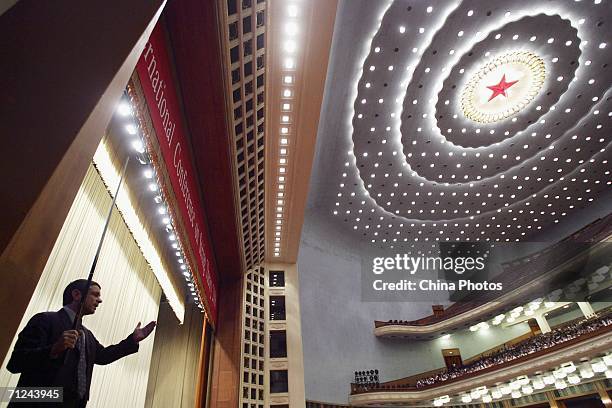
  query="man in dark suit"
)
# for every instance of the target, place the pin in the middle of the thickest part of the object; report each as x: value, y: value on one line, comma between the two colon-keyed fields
x: 48, y: 353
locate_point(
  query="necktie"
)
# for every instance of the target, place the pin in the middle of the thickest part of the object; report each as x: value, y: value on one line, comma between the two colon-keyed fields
x: 82, y: 365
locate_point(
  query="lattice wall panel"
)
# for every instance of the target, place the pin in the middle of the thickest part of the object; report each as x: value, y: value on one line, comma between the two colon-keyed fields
x: 253, y: 341
x: 245, y: 22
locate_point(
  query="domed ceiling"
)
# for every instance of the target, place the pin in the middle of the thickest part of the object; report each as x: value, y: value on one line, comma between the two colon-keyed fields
x: 464, y: 120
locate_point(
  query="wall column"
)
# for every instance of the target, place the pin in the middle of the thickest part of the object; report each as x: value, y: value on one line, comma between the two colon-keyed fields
x: 64, y: 66
x: 603, y: 394
x: 551, y: 400
x: 587, y: 309
x: 543, y: 323
x: 225, y: 382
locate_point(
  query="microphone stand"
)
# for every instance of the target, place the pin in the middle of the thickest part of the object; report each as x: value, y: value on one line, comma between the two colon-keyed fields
x: 79, y: 315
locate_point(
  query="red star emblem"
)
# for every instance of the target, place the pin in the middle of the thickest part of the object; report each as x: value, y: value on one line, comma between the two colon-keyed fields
x: 500, y: 88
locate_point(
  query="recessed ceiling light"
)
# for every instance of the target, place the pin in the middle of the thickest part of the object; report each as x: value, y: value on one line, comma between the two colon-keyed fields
x: 124, y: 109
x: 289, y: 63
x: 290, y: 46
x: 138, y: 146
x: 292, y: 10
x: 291, y: 28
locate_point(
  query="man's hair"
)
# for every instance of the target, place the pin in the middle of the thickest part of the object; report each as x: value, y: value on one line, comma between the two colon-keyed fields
x: 78, y: 284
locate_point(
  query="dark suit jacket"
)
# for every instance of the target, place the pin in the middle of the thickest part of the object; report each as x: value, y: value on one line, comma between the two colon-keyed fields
x: 31, y: 356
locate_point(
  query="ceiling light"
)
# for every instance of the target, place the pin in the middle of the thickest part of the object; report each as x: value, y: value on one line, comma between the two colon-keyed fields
x: 290, y: 46
x: 124, y: 109
x: 568, y: 367
x: 131, y: 129
x: 292, y: 10
x: 138, y: 146
x: 289, y: 63
x: 291, y: 28
x: 598, y: 365
x: 538, y: 384
x: 530, y: 63
x: 153, y: 186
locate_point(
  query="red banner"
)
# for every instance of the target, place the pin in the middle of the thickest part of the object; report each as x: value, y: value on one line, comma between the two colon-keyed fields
x: 158, y: 86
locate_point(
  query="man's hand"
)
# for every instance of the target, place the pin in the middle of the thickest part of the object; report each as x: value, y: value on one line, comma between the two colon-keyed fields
x: 67, y: 340
x: 141, y: 333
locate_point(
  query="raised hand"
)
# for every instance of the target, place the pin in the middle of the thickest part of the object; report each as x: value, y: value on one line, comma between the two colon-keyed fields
x: 141, y: 333
x: 67, y: 340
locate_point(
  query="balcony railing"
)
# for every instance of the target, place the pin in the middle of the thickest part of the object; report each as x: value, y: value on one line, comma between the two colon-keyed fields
x: 533, y: 347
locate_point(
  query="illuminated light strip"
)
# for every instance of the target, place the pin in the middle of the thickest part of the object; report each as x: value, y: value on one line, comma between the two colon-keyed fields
x: 110, y: 177
x: 125, y: 109
x: 288, y: 79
